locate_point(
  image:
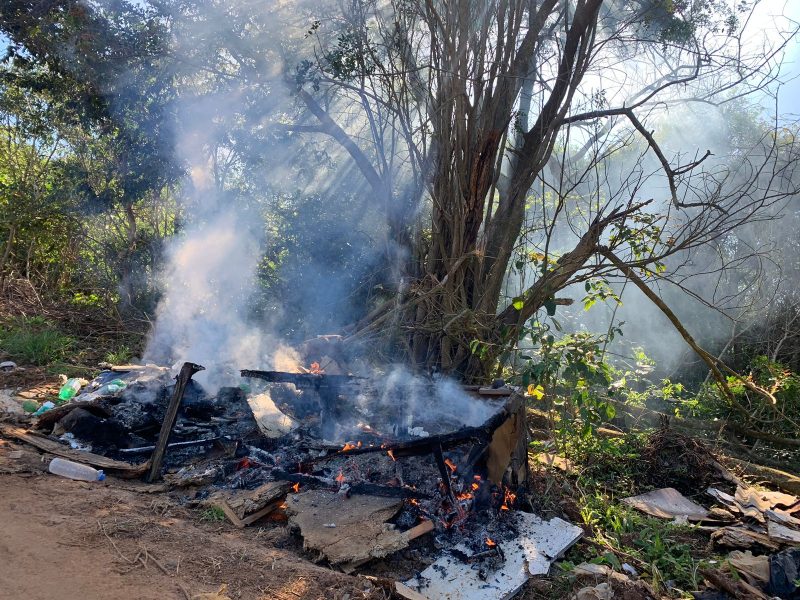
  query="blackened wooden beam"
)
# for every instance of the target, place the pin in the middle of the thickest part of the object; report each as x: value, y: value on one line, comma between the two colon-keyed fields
x: 182, y: 380
x: 481, y: 434
x: 363, y: 487
x: 306, y: 380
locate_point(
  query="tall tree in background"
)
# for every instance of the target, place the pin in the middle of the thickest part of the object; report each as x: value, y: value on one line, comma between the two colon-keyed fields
x: 481, y: 129
x: 510, y: 109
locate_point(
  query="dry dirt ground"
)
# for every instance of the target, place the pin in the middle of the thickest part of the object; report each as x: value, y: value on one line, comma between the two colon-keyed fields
x: 69, y: 540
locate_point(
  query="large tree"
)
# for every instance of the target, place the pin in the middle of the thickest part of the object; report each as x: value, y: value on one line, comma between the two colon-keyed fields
x: 481, y: 130
x: 507, y: 112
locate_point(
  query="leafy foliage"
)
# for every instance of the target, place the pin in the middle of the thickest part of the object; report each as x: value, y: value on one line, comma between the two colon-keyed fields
x: 34, y: 341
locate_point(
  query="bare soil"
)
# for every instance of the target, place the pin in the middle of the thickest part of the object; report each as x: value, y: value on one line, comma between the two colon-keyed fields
x: 74, y: 540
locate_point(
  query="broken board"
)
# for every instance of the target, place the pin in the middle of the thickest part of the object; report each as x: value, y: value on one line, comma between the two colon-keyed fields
x: 245, y: 508
x: 347, y: 530
x: 272, y: 421
x: 115, y: 467
x: 539, y: 543
x: 667, y: 503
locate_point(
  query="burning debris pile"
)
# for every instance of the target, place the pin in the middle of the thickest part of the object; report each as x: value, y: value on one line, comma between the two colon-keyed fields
x: 361, y: 466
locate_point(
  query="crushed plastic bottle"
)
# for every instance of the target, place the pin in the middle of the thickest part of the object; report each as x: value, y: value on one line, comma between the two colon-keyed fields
x: 112, y: 387
x: 44, y: 408
x: 69, y: 389
x: 73, y: 470
x: 29, y: 406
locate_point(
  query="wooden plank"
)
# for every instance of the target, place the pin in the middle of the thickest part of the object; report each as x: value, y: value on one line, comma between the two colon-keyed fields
x: 245, y: 503
x: 116, y: 467
x: 250, y: 519
x: 187, y: 370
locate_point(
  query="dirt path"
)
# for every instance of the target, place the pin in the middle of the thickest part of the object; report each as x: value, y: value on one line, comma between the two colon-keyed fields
x: 67, y: 540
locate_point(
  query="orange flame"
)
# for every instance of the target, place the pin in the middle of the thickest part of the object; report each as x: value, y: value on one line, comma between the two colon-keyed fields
x: 490, y: 542
x: 315, y: 369
x: 348, y: 446
x: 450, y: 464
x: 391, y: 454
x: 340, y: 477
x: 296, y: 487
x: 508, y: 499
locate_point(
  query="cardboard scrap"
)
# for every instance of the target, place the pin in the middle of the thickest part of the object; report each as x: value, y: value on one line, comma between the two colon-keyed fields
x: 753, y: 568
x: 782, y: 533
x: 771, y: 513
x: 667, y: 503
x: 539, y: 543
x: 602, y: 591
x: 549, y: 459
x: 348, y: 531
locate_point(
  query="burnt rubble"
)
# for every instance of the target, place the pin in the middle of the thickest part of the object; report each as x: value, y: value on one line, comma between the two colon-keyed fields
x: 402, y: 458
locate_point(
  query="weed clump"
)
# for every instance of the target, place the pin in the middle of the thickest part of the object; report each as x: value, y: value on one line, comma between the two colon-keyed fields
x: 34, y: 341
x: 672, y: 459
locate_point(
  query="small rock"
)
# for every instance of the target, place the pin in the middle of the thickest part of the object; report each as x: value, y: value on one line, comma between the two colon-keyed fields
x: 8, y: 365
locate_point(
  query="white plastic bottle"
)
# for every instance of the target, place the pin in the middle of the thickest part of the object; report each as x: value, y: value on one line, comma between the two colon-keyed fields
x: 73, y: 470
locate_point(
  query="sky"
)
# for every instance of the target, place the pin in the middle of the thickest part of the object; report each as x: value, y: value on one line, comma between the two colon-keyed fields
x: 766, y: 21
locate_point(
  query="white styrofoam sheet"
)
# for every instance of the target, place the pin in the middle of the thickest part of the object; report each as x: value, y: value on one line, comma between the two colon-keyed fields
x: 539, y: 543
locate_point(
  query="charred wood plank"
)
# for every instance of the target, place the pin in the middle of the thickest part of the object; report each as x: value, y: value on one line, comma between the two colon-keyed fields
x: 187, y: 371
x: 361, y: 488
x: 304, y: 380
x: 444, y: 473
x: 481, y: 434
x: 48, y: 419
x: 189, y: 444
x: 115, y: 467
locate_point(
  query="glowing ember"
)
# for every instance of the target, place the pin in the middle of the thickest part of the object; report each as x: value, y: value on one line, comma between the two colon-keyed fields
x: 490, y: 542
x: 508, y: 499
x: 315, y: 369
x: 450, y: 464
x: 296, y: 487
x: 391, y: 455
x: 348, y: 446
x: 340, y: 477
x: 475, y: 487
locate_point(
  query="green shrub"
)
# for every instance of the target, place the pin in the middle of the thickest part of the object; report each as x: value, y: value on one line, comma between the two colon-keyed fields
x: 213, y: 514
x: 120, y: 356
x: 34, y: 341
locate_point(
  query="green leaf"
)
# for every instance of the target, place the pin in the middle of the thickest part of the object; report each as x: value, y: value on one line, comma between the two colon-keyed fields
x: 518, y: 303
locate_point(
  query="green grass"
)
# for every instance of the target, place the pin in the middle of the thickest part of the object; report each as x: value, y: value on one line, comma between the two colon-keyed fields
x: 213, y: 514
x: 120, y: 356
x: 659, y: 550
x: 34, y: 341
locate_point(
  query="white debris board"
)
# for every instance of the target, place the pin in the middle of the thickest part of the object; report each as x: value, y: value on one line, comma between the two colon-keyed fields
x: 539, y: 543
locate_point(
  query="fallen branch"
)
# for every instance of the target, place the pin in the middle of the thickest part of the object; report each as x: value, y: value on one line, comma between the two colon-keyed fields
x: 781, y: 479
x: 116, y: 467
x: 653, y: 297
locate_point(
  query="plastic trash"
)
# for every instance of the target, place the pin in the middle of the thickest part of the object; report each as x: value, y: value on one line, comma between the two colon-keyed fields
x: 112, y: 387
x: 44, y: 408
x: 69, y: 389
x: 73, y: 470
